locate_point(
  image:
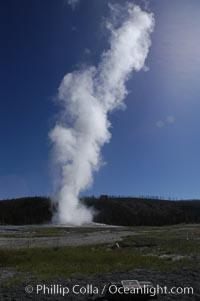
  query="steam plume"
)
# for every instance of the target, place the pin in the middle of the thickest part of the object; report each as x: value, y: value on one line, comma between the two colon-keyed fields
x: 86, y: 97
x: 73, y: 3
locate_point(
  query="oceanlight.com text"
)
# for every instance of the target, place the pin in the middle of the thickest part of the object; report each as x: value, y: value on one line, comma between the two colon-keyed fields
x: 89, y: 289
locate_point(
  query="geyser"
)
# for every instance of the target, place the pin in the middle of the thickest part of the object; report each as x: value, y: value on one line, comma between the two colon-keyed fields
x: 86, y: 97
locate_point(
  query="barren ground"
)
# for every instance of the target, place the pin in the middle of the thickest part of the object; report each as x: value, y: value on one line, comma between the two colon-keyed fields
x: 163, y: 255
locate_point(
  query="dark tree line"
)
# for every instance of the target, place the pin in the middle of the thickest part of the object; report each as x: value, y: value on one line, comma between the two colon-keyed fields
x: 128, y: 211
x: 125, y: 211
x: 29, y: 210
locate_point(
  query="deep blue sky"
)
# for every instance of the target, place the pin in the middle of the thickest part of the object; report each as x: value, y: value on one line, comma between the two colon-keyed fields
x: 155, y: 143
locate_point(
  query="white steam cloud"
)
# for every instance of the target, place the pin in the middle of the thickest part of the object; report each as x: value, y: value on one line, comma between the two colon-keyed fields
x: 73, y: 3
x: 86, y: 97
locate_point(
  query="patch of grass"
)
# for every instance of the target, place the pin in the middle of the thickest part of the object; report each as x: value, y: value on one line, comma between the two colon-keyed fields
x: 46, y: 231
x: 14, y: 281
x: 52, y: 231
x: 171, y: 242
x: 32, y: 232
x: 55, y: 262
x: 46, y: 263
